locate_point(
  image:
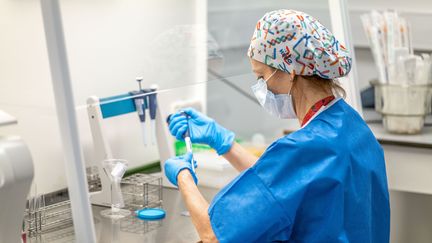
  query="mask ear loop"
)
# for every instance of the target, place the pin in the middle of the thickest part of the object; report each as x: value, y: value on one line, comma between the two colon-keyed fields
x: 271, y: 76
x: 290, y: 94
x: 293, y: 79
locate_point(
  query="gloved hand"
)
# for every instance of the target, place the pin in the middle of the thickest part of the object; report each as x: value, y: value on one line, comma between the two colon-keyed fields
x: 202, y: 130
x: 174, y: 165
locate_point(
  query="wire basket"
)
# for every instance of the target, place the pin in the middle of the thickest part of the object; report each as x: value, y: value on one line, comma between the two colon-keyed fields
x: 64, y: 235
x: 40, y: 218
x: 142, y: 191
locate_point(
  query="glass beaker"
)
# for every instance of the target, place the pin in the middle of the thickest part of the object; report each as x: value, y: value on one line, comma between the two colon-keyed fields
x: 114, y: 170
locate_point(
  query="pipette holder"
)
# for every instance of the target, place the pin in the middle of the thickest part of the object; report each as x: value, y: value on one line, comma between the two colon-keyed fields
x: 98, y: 110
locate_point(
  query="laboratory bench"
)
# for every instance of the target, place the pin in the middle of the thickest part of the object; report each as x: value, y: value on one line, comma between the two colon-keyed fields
x: 175, y: 227
x: 408, y: 157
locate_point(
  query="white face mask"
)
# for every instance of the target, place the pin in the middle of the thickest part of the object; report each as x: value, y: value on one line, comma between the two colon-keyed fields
x: 280, y: 105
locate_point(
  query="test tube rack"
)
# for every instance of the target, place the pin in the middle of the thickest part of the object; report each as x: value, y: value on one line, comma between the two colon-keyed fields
x: 135, y: 225
x: 41, y: 218
x: 142, y: 191
x: 49, y: 221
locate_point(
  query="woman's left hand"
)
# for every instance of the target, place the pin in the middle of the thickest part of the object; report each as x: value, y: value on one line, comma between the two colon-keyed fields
x: 174, y: 165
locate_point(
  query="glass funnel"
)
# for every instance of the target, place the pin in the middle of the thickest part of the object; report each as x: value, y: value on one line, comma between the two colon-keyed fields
x: 114, y: 170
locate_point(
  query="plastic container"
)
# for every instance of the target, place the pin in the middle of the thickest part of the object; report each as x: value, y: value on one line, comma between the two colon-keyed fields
x: 404, y: 108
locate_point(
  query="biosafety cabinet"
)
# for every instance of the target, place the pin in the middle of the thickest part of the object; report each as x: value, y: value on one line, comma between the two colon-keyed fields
x: 69, y: 73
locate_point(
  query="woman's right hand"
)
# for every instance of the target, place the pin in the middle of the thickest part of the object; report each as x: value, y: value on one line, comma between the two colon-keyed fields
x: 202, y: 129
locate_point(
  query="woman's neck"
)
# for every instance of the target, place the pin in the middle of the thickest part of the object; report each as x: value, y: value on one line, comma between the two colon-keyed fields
x: 305, y: 96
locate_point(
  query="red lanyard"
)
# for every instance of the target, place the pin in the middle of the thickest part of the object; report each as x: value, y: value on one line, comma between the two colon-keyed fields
x: 316, y: 107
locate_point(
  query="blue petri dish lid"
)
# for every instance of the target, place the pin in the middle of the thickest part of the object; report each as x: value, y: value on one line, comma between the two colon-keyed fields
x: 150, y: 213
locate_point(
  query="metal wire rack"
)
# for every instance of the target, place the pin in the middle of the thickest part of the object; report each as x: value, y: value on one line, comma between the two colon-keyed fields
x: 66, y: 235
x: 135, y: 225
x: 45, y: 223
x: 142, y: 191
x: 93, y: 179
x: 40, y: 218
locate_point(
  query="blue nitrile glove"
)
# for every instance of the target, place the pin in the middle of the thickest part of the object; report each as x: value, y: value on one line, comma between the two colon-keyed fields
x: 174, y: 165
x: 202, y: 130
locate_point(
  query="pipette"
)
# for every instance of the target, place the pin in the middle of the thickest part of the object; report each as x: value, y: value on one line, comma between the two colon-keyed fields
x: 189, y: 142
x: 140, y: 107
x: 187, y: 139
x: 152, y: 106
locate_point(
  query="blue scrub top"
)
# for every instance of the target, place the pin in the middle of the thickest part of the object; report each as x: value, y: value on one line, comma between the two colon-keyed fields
x: 323, y: 183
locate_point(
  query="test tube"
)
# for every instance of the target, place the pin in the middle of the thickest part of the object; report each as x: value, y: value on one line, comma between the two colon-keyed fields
x: 187, y: 139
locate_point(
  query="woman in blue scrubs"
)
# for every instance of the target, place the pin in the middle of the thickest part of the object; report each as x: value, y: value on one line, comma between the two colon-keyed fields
x: 325, y: 182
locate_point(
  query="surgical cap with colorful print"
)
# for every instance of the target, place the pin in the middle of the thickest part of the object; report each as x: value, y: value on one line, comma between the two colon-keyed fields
x: 296, y: 42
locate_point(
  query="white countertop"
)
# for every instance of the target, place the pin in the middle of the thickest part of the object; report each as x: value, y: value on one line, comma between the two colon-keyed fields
x: 423, y: 139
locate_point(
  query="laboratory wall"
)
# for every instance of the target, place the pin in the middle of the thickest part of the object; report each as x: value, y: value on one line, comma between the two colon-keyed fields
x: 242, y: 18
x: 109, y: 44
